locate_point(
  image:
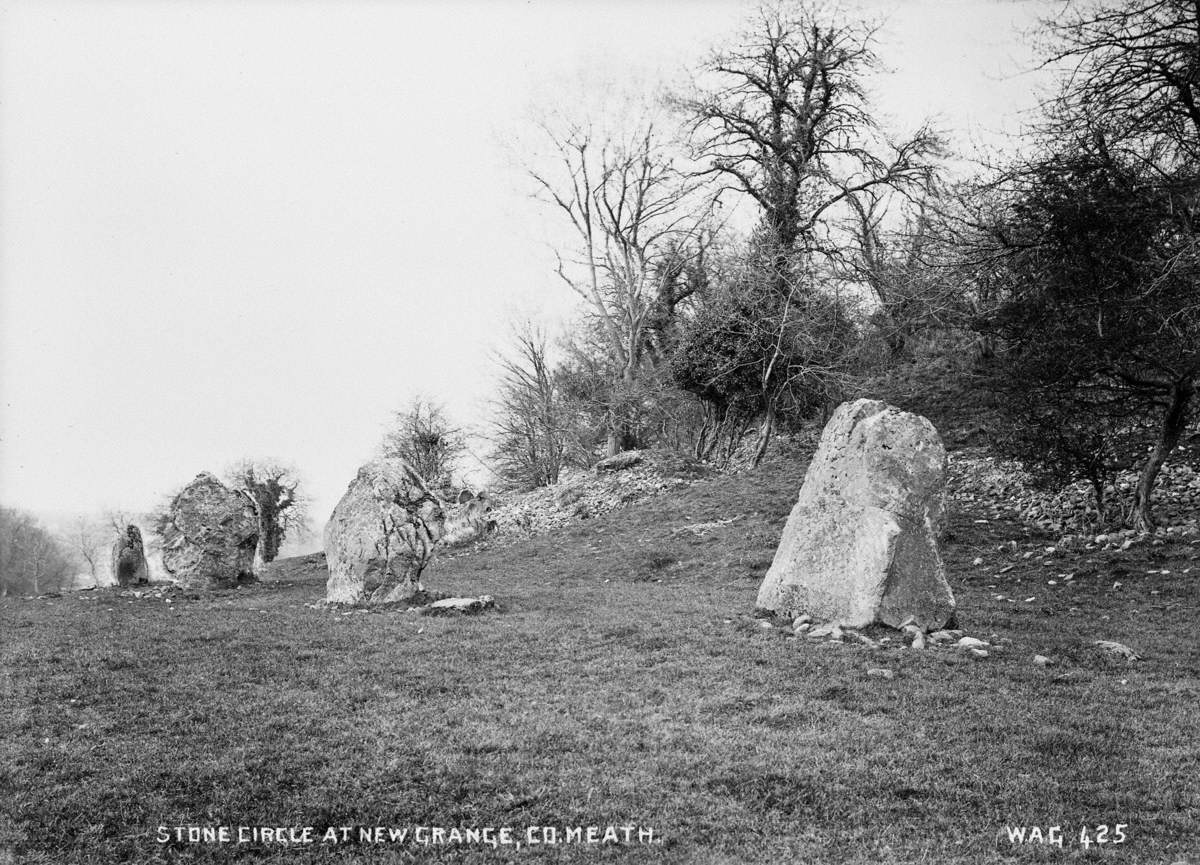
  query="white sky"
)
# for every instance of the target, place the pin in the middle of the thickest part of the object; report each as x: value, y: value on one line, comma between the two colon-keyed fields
x: 257, y: 229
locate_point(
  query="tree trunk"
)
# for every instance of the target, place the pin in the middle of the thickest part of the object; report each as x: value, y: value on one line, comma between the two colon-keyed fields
x: 613, y: 446
x: 766, y: 431
x: 1174, y: 423
x: 270, y: 541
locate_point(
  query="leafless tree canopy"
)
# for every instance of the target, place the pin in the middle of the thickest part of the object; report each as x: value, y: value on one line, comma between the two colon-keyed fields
x: 638, y: 221
x: 423, y: 436
x: 783, y: 117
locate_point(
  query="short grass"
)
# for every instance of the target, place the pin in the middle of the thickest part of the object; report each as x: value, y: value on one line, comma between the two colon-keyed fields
x: 624, y: 681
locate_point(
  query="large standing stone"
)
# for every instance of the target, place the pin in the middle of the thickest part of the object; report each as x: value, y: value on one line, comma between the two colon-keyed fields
x: 381, y: 535
x: 210, y: 534
x: 861, y: 544
x: 129, y: 566
x: 387, y: 528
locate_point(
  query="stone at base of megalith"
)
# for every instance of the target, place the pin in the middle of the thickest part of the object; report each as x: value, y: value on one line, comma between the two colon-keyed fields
x: 129, y: 566
x: 861, y: 543
x: 209, y: 534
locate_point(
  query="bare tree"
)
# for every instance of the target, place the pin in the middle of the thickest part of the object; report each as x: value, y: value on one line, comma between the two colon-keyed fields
x: 90, y: 540
x: 530, y: 423
x: 913, y: 277
x: 425, y: 438
x: 638, y: 222
x: 783, y: 118
x: 282, y: 508
x: 31, y: 559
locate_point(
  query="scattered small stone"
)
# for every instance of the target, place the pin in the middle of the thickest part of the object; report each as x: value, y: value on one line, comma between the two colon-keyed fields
x: 763, y: 623
x: 947, y: 634
x: 821, y: 631
x: 978, y: 561
x: 918, y: 636
x: 459, y: 605
x: 801, y: 619
x: 979, y: 653
x: 802, y: 627
x: 1042, y: 661
x: 881, y: 673
x: 862, y: 638
x: 971, y: 643
x: 1117, y: 650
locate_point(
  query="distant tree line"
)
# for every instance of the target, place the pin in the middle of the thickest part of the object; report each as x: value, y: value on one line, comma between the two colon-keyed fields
x: 32, y: 560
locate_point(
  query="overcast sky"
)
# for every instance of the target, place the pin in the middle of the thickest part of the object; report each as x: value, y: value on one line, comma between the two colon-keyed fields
x: 257, y: 229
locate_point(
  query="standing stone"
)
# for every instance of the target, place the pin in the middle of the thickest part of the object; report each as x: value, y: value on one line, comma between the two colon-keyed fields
x: 861, y: 544
x: 388, y: 527
x: 210, y: 534
x: 129, y: 566
x: 381, y: 535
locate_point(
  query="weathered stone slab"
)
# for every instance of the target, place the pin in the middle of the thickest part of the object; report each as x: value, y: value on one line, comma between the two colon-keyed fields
x: 619, y: 462
x: 460, y: 606
x: 210, y: 534
x: 861, y: 543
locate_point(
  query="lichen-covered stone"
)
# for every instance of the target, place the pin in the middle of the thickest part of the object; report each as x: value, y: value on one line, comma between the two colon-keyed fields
x: 210, y: 534
x: 861, y: 543
x: 388, y: 527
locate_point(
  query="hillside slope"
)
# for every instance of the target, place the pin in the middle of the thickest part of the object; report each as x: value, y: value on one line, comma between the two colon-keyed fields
x: 624, y: 681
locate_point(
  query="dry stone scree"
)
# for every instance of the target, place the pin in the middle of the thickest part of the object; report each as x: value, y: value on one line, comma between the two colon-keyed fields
x: 388, y: 527
x: 129, y: 566
x: 210, y: 535
x: 861, y: 543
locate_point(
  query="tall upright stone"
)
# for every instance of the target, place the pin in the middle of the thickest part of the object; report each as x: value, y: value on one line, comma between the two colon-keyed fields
x: 210, y: 534
x: 388, y: 527
x: 861, y: 543
x: 129, y: 566
x: 381, y: 535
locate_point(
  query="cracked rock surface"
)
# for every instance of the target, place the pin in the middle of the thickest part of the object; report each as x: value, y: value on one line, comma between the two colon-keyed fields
x: 861, y: 543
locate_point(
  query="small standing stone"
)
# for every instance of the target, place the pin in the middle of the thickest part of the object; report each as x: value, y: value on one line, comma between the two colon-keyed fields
x: 129, y: 566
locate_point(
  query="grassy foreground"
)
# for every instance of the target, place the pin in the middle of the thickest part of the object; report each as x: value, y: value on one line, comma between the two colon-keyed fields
x: 624, y: 682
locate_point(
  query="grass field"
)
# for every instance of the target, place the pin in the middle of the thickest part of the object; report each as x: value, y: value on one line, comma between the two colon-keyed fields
x: 623, y: 682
